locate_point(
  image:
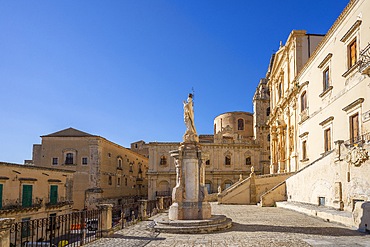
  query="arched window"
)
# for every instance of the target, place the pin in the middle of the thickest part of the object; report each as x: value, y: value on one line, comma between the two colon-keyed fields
x: 163, y: 160
x: 268, y: 111
x: 248, y: 161
x: 303, y: 101
x: 227, y: 160
x: 119, y: 163
x: 240, y: 124
x: 69, y: 159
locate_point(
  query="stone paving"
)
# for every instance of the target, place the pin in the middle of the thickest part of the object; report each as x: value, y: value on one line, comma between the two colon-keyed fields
x: 252, y: 226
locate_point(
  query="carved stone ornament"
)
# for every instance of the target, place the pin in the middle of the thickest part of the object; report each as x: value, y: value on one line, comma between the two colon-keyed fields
x: 357, y: 156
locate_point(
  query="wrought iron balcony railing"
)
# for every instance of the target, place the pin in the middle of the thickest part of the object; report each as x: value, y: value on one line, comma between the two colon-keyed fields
x: 358, y: 141
x: 364, y: 60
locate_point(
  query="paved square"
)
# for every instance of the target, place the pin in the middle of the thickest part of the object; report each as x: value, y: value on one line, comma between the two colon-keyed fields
x: 252, y: 226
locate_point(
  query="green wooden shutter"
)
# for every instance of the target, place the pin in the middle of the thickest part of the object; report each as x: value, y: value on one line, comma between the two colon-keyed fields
x: 53, y: 194
x: 27, y: 195
x: 1, y: 195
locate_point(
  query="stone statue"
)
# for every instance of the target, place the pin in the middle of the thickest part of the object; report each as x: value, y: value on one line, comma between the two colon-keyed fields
x: 219, y: 189
x: 191, y: 133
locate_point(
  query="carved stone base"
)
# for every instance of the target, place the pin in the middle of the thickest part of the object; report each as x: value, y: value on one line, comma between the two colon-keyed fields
x: 190, y: 211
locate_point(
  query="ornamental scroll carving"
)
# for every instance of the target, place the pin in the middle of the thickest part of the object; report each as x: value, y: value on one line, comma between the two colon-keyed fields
x: 357, y: 156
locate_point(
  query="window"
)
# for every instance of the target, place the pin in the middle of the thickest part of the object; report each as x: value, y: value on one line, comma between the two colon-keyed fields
x: 53, y: 194
x: 69, y: 159
x: 280, y: 89
x: 327, y: 140
x: 163, y: 160
x: 326, y: 79
x: 227, y: 160
x: 228, y: 184
x: 109, y: 155
x: 1, y: 196
x: 84, y: 160
x: 208, y: 162
x: 110, y: 180
x: 118, y: 181
x: 303, y: 101
x: 268, y: 137
x: 26, y: 195
x: 304, y: 150
x: 125, y: 181
x: 268, y: 111
x: 55, y: 161
x: 248, y: 161
x: 352, y: 53
x: 119, y: 163
x: 354, y: 128
x: 240, y: 124
x: 321, y: 201
x: 209, y: 187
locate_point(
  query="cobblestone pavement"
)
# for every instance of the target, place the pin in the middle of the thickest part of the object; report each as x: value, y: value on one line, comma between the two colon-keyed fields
x: 252, y: 226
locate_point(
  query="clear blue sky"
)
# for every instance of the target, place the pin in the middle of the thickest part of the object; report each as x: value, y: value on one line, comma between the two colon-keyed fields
x: 121, y: 69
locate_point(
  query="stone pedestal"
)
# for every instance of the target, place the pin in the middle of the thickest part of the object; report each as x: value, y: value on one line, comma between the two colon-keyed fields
x: 189, y: 195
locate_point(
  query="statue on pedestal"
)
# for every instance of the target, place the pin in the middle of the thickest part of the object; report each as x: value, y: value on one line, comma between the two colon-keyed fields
x: 191, y: 132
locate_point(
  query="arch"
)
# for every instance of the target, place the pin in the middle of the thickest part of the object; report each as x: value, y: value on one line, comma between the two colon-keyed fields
x: 227, y: 183
x: 163, y: 186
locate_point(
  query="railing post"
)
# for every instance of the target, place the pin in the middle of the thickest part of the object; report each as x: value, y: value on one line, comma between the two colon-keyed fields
x: 143, y: 209
x: 106, y: 218
x: 160, y: 203
x: 5, y: 224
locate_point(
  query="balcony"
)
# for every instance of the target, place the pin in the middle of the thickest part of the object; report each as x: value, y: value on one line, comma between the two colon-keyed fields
x: 364, y: 61
x: 61, y: 202
x: 18, y: 205
x: 358, y: 141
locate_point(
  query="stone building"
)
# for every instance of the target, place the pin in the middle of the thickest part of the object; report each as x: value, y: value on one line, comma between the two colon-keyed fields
x: 287, y: 63
x: 29, y: 192
x: 230, y: 152
x: 105, y: 172
x: 320, y: 114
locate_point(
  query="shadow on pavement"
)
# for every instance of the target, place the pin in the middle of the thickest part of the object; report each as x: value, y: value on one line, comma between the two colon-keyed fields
x: 153, y: 238
x: 324, y: 231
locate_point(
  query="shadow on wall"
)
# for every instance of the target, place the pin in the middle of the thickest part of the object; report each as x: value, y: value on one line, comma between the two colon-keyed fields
x: 361, y: 216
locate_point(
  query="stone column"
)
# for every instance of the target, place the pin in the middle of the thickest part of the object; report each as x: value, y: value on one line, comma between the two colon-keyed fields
x: 5, y: 224
x: 274, y: 150
x: 106, y: 219
x: 160, y: 203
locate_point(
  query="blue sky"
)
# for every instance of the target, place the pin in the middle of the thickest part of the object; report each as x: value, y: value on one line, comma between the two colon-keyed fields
x: 121, y: 69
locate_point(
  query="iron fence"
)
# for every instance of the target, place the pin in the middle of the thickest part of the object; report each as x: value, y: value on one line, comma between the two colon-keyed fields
x: 358, y: 140
x: 74, y: 229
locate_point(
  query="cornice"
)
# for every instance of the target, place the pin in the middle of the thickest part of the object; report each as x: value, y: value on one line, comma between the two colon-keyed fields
x: 353, y: 104
x: 328, y: 35
x: 329, y: 119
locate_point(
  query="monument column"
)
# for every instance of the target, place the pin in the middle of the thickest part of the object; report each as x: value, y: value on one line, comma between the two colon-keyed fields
x: 189, y: 195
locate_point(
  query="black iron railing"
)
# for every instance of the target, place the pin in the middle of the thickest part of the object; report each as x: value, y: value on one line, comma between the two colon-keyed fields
x: 364, y: 59
x: 74, y: 229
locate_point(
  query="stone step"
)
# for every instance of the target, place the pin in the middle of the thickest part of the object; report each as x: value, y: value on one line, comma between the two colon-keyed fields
x: 215, y: 223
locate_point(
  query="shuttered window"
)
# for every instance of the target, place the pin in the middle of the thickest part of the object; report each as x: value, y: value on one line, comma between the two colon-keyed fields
x: 26, y: 195
x: 53, y: 194
x: 354, y: 128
